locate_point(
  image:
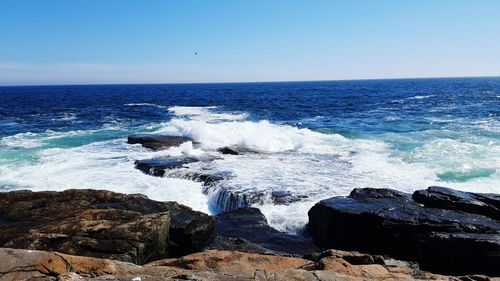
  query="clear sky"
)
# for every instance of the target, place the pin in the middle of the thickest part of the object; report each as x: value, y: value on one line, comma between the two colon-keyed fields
x: 148, y: 41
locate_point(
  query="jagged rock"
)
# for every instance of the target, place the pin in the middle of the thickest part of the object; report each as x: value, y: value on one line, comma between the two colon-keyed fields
x: 157, y: 142
x: 250, y: 225
x: 209, y: 265
x: 227, y: 150
x: 156, y: 167
x: 447, y: 198
x: 102, y: 223
x: 384, y: 221
x: 103, y: 233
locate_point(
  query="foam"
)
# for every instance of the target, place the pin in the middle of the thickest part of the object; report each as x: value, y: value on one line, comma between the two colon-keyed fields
x: 298, y: 161
x: 206, y: 113
x: 145, y: 104
x: 103, y: 165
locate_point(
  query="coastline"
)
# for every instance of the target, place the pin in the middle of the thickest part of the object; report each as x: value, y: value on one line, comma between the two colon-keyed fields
x: 173, y: 241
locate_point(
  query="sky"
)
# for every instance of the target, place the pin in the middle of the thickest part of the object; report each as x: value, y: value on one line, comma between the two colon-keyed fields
x: 156, y: 41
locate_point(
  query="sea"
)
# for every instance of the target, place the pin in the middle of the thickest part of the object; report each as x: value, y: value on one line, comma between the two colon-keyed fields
x: 306, y: 141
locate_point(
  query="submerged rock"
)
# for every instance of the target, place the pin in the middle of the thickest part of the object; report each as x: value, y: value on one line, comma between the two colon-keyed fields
x: 250, y: 226
x: 156, y: 142
x: 384, y: 221
x: 101, y: 223
x: 226, y: 198
x: 209, y: 265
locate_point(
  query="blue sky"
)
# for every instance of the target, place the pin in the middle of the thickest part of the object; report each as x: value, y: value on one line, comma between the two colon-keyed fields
x: 148, y: 41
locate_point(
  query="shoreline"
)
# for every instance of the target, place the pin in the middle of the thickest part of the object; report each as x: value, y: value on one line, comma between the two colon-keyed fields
x: 83, y: 223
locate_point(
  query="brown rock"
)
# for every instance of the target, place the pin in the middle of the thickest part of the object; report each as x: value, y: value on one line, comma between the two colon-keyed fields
x: 103, y: 224
x: 209, y: 265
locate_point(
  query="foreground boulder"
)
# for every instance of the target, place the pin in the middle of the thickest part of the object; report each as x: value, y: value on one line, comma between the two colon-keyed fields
x: 156, y: 142
x: 103, y: 224
x: 248, y: 230
x: 384, y: 221
x: 211, y: 265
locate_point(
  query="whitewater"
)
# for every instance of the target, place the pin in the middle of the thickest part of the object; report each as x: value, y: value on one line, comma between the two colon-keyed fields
x: 297, y: 157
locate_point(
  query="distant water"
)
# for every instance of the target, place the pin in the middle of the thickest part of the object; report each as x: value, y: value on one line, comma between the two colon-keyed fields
x: 315, y: 139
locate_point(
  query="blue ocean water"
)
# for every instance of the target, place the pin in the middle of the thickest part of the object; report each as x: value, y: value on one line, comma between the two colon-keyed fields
x: 314, y: 139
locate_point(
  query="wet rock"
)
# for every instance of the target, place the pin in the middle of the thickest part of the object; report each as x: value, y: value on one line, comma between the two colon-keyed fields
x: 156, y: 142
x: 384, y: 221
x: 235, y: 150
x: 286, y: 197
x: 227, y: 199
x: 251, y: 225
x: 102, y: 224
x: 209, y: 265
x: 156, y: 167
x: 227, y: 150
x: 447, y: 198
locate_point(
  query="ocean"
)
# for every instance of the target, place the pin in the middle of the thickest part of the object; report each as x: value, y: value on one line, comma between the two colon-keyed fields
x: 308, y: 140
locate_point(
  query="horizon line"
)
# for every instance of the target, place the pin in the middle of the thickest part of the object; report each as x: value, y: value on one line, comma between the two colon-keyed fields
x: 246, y: 82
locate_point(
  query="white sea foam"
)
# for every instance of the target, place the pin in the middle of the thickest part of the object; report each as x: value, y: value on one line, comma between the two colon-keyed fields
x: 205, y: 114
x: 66, y: 116
x: 303, y: 163
x: 103, y: 165
x: 145, y: 104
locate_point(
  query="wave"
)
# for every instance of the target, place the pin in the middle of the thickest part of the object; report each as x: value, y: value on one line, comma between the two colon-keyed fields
x: 206, y: 113
x: 145, y: 104
x: 305, y: 165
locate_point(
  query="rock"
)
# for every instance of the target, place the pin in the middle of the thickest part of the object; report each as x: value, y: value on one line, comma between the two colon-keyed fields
x: 209, y: 265
x: 157, y: 142
x: 238, y: 244
x: 102, y: 224
x: 235, y: 150
x: 446, y: 198
x: 110, y: 233
x: 250, y: 225
x: 227, y: 150
x: 228, y: 198
x: 286, y: 197
x: 384, y: 221
x: 156, y: 167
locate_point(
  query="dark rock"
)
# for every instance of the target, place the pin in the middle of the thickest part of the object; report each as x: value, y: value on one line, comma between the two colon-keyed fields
x: 235, y: 150
x: 208, y: 178
x: 102, y: 224
x: 286, y: 197
x: 446, y: 198
x: 384, y: 221
x: 250, y: 225
x: 238, y: 244
x: 157, y: 142
x: 111, y: 233
x: 227, y: 150
x: 156, y: 167
x: 227, y: 200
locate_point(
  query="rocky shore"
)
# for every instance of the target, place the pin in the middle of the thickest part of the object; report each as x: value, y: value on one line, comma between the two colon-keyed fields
x: 372, y: 234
